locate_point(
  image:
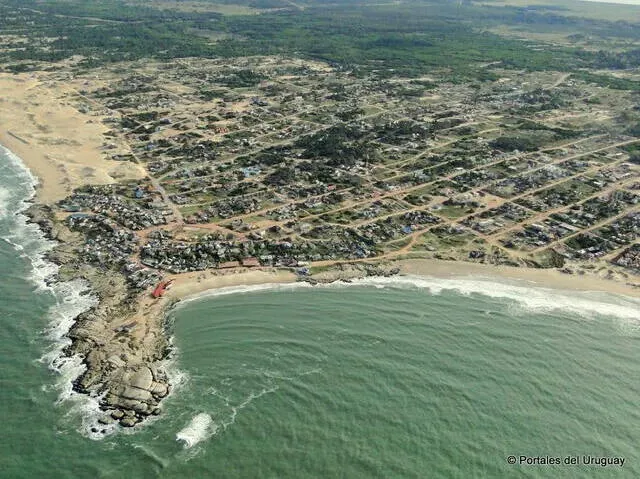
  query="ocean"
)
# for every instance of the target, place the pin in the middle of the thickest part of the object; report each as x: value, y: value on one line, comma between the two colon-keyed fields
x: 399, y: 377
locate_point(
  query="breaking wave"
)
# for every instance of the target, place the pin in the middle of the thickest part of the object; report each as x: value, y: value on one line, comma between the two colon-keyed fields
x: 522, y: 296
x: 199, y: 428
x: 70, y: 298
x: 4, y: 202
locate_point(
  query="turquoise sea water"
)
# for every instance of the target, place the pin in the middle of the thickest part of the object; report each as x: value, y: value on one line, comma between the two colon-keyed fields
x: 402, y: 378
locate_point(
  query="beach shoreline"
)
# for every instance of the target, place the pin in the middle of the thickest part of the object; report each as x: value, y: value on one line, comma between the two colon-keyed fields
x: 122, y: 340
x: 550, y: 278
x: 140, y: 383
x: 190, y: 286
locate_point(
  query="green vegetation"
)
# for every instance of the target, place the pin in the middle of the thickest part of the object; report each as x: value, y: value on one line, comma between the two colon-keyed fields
x: 608, y: 81
x: 407, y: 39
x: 634, y: 130
x: 242, y: 79
x: 512, y: 143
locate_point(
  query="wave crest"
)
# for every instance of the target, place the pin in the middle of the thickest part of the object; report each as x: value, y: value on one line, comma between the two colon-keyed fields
x: 70, y: 298
x: 199, y: 428
x: 517, y: 293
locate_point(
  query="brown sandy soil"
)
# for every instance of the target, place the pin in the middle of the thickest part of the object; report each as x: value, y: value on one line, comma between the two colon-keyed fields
x: 61, y: 146
x: 240, y: 106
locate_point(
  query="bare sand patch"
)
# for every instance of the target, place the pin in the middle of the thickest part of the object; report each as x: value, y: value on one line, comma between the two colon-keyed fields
x: 191, y: 284
x: 60, y: 145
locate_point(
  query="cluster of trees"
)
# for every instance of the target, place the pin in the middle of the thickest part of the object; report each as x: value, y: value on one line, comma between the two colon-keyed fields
x: 398, y: 132
x: 560, y: 133
x: 616, y: 60
x: 101, y: 31
x: 615, y: 83
x: 634, y: 130
x: 241, y: 79
x: 271, y: 156
x: 341, y: 145
x: 532, y: 138
x: 511, y: 143
x: 406, y: 39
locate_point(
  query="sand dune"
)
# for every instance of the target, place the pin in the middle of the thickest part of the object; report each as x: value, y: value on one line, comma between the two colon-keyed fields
x: 62, y: 146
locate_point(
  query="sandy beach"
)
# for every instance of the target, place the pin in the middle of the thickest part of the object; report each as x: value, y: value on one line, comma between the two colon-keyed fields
x: 62, y: 146
x: 190, y: 285
x: 544, y: 278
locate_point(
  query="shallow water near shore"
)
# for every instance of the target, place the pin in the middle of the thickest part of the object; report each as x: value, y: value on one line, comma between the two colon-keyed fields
x: 401, y: 378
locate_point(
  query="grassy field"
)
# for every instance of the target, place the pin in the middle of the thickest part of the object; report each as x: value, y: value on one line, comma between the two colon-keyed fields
x: 577, y: 8
x: 199, y: 7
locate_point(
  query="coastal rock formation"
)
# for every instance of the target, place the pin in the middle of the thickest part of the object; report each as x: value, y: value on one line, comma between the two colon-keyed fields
x: 350, y: 271
x: 123, y: 363
x: 139, y: 392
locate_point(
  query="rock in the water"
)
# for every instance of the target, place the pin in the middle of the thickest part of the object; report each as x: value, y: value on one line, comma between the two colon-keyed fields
x: 134, y: 406
x: 117, y: 414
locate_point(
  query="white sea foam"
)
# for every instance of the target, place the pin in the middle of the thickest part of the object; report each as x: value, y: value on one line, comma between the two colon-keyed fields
x: 71, y: 298
x: 199, y: 428
x: 202, y: 426
x: 227, y: 290
x: 4, y: 202
x: 25, y: 237
x: 16, y: 246
x: 80, y: 409
x: 21, y: 175
x: 161, y: 461
x: 521, y: 295
x: 245, y: 403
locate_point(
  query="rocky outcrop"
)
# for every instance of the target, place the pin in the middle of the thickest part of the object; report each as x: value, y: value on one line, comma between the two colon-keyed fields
x: 123, y: 365
x: 123, y: 368
x: 349, y: 271
x: 140, y: 392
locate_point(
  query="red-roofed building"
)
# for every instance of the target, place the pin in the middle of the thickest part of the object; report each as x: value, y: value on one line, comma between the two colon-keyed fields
x: 250, y: 262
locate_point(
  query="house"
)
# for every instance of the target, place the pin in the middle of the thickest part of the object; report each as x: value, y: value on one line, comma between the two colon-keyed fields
x: 250, y: 262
